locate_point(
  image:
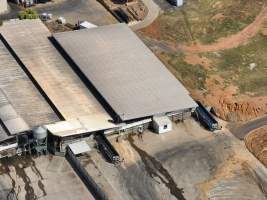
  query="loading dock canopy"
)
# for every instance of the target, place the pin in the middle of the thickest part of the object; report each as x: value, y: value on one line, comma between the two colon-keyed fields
x: 79, y: 147
x: 125, y: 72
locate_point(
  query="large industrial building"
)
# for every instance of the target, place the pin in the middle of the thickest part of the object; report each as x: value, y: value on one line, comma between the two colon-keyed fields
x: 129, y: 77
x: 74, y: 84
x: 3, y: 6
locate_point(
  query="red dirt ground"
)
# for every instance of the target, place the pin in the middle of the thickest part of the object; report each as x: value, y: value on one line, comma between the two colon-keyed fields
x: 232, y: 41
x: 227, y: 104
x: 256, y: 143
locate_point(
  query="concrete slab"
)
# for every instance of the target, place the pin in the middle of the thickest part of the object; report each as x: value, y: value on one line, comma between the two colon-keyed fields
x: 29, y: 179
x: 186, y: 163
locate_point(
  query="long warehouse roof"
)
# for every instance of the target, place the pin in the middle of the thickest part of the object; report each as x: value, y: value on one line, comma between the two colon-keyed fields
x: 125, y: 72
x: 29, y: 40
x: 16, y: 89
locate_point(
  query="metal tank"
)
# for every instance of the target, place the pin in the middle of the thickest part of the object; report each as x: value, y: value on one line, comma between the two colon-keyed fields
x: 40, y: 133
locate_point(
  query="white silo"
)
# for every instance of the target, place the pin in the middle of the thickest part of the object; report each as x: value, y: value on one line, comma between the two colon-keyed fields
x: 3, y: 6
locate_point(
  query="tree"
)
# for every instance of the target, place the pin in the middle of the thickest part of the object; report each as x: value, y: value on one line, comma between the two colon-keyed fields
x: 28, y: 14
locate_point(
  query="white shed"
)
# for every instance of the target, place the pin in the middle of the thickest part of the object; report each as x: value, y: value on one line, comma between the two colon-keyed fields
x: 86, y: 24
x: 162, y: 124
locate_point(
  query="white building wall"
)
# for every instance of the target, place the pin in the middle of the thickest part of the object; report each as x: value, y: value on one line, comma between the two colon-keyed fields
x: 164, y: 129
x: 162, y: 125
x: 3, y: 6
x: 180, y: 2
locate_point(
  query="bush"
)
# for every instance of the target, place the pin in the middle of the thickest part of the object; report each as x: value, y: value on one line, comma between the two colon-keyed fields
x: 28, y: 14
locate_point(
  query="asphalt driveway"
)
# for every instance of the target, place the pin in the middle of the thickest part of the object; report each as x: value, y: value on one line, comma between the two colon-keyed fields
x: 72, y: 11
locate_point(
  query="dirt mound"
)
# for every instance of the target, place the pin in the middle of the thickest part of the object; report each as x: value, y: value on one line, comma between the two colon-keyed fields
x: 227, y: 104
x: 256, y: 142
x: 234, y: 109
x: 239, y: 111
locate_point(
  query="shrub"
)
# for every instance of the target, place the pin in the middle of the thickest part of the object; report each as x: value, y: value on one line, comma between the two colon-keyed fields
x: 28, y: 14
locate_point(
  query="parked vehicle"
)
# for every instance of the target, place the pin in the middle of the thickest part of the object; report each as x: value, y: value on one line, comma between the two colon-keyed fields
x: 205, y: 118
x: 106, y: 148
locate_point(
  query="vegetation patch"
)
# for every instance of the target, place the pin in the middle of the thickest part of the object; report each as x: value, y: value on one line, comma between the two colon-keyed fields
x: 245, y: 66
x: 204, y: 21
x: 28, y: 14
x: 192, y: 76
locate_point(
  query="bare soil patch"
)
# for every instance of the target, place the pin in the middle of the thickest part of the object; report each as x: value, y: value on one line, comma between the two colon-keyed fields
x: 195, y: 59
x: 256, y: 142
x: 232, y: 41
x: 228, y: 73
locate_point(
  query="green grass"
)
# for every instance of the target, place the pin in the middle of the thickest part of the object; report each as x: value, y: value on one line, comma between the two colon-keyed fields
x: 196, y: 20
x: 28, y: 14
x: 234, y: 66
x: 192, y: 76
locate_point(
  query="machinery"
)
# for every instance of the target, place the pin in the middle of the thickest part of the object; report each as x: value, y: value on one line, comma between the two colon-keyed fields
x: 40, y: 140
x: 106, y: 148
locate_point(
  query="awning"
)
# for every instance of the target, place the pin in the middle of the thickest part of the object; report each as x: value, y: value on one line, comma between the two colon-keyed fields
x: 79, y: 147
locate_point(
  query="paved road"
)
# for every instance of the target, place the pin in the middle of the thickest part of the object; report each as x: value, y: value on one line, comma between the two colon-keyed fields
x: 72, y: 11
x: 153, y: 12
x: 243, y: 130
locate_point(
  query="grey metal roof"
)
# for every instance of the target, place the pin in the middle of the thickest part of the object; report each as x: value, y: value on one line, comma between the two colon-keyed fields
x: 12, y: 121
x: 124, y: 71
x: 16, y: 89
x: 29, y: 40
x: 4, y: 135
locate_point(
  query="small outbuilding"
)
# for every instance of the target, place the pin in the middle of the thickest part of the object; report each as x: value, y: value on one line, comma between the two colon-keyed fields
x: 86, y: 24
x: 162, y: 124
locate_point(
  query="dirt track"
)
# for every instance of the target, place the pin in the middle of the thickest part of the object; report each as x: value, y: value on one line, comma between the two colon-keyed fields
x: 232, y: 41
x: 256, y: 142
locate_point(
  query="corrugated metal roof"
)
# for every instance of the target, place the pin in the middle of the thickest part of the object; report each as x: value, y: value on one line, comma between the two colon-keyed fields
x: 29, y: 40
x: 124, y: 71
x: 18, y: 90
x: 12, y: 121
x: 79, y: 147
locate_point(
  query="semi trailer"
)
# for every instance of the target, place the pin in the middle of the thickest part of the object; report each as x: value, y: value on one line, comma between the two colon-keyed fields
x: 205, y: 118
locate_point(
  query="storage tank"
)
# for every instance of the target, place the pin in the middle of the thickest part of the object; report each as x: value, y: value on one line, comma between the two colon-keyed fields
x: 3, y: 6
x: 40, y: 133
x: 179, y: 3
